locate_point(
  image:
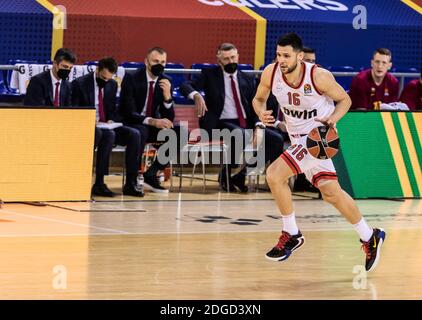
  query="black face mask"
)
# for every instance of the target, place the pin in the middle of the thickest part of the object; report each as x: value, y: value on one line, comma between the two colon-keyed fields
x: 230, y: 67
x: 157, y: 69
x: 63, y: 73
x: 100, y: 82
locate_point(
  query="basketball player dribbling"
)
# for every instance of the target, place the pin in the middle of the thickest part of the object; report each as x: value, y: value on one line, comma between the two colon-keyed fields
x: 306, y: 95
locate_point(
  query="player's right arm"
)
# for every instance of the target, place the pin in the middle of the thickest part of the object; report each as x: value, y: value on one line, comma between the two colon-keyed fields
x: 259, y: 102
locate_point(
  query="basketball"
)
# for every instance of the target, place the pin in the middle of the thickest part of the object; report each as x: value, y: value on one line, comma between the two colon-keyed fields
x: 323, y: 142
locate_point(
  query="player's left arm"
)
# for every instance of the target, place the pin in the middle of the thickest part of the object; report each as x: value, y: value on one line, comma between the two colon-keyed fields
x: 328, y: 86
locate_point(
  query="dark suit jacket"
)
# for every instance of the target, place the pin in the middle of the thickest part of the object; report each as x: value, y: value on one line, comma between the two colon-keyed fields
x: 212, y: 82
x: 40, y: 91
x: 83, y: 95
x: 133, y: 98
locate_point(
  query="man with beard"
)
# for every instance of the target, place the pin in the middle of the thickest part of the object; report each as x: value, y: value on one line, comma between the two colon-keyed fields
x: 306, y: 95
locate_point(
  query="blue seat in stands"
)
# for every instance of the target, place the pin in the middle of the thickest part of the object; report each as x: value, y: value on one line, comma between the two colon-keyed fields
x: 244, y: 66
x: 177, y: 80
x: 9, y: 94
x: 131, y: 64
x: 407, y: 70
x: 2, y: 86
x: 263, y: 66
x: 404, y: 70
x: 201, y: 66
x: 344, y: 81
x: 91, y: 63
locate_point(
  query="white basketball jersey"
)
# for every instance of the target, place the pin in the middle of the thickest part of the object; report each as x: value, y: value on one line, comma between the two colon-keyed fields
x: 300, y: 105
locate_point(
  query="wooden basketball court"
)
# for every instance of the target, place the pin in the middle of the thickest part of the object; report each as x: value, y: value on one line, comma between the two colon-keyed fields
x: 194, y: 245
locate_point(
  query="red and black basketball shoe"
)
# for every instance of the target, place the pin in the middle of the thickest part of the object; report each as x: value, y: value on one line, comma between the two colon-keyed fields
x: 285, y: 246
x: 372, y: 249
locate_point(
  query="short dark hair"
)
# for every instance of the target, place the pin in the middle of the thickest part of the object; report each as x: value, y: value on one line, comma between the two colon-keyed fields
x: 383, y: 51
x: 64, y: 54
x: 308, y: 50
x: 226, y: 46
x: 291, y: 39
x: 158, y: 49
x: 108, y: 63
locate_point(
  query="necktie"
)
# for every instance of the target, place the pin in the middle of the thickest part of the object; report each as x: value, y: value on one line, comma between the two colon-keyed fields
x: 101, y: 105
x: 242, y: 120
x: 56, y: 95
x: 150, y: 97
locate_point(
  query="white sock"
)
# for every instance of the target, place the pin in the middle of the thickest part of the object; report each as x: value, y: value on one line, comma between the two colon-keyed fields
x: 364, y: 231
x: 289, y: 224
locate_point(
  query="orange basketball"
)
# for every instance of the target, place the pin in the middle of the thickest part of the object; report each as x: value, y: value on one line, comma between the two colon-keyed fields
x: 323, y: 142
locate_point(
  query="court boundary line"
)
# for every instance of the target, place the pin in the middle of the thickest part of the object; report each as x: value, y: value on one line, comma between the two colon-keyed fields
x: 305, y: 230
x: 63, y: 221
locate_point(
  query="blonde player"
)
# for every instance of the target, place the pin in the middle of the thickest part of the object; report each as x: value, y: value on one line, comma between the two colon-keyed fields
x: 305, y: 94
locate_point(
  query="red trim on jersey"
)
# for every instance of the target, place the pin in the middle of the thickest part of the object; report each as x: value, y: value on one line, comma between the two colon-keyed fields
x: 301, y: 80
x: 290, y: 162
x: 324, y: 178
x: 312, y: 79
x: 324, y: 175
x: 273, y: 74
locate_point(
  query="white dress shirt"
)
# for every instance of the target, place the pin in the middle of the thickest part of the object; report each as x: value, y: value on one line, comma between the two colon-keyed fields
x: 96, y: 91
x: 229, y: 109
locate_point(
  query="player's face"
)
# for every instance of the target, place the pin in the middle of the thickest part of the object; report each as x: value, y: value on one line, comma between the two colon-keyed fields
x: 380, y: 64
x: 309, y: 57
x: 288, y: 58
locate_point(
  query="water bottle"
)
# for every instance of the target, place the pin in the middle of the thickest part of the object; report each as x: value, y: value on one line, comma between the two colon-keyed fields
x: 161, y: 176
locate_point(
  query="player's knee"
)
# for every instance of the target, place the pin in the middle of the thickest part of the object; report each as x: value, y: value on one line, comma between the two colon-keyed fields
x: 270, y: 174
x: 276, y: 175
x: 331, y: 195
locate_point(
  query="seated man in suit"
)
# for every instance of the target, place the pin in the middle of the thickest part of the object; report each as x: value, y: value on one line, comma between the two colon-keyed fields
x: 99, y: 89
x: 146, y: 104
x: 228, y: 105
x: 51, y: 88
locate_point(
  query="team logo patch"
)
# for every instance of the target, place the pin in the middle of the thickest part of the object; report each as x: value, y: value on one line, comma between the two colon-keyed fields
x: 307, y: 88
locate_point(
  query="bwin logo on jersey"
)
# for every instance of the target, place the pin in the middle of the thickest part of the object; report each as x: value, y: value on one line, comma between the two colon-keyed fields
x: 307, y: 89
x: 300, y: 114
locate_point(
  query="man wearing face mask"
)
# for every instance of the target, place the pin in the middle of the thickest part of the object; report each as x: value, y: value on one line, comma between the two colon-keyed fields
x: 146, y: 104
x: 228, y: 105
x: 51, y: 88
x: 99, y: 89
